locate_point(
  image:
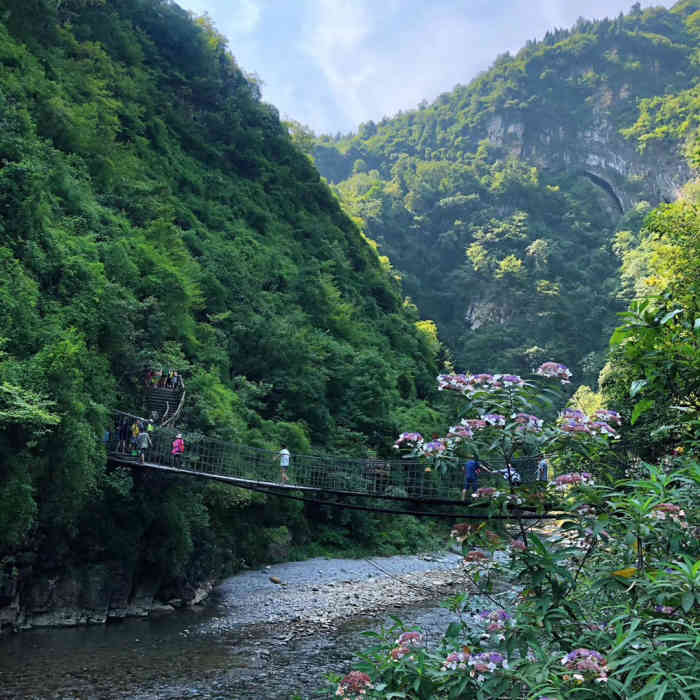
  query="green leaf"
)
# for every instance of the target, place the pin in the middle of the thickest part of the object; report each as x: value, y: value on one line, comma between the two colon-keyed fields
x: 639, y: 408
x: 636, y: 386
x: 687, y: 600
x: 619, y: 334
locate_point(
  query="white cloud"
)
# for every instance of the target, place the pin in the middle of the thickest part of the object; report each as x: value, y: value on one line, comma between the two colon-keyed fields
x: 335, y: 63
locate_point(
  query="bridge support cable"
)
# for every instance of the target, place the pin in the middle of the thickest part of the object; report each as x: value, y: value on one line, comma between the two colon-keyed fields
x: 287, y: 491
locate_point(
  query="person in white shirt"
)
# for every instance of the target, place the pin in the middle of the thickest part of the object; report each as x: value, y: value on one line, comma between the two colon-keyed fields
x: 284, y: 462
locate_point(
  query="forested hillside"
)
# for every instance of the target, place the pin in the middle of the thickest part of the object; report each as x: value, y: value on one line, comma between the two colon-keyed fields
x: 154, y: 212
x: 498, y: 203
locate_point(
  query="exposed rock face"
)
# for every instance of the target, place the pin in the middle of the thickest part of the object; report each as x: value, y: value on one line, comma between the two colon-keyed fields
x: 90, y: 594
x: 484, y: 312
x: 599, y: 151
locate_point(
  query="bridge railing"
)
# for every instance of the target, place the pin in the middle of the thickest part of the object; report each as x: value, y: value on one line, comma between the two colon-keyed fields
x: 400, y: 478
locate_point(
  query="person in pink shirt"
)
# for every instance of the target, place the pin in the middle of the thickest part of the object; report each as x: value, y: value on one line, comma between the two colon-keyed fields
x: 178, y: 450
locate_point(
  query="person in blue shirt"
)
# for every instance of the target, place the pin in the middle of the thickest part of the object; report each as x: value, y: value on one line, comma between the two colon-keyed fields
x: 471, y: 473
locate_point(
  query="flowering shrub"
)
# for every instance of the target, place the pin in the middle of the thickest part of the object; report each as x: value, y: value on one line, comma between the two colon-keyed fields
x: 603, y: 603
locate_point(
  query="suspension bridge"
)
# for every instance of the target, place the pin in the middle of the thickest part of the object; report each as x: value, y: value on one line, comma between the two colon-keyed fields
x: 311, y: 476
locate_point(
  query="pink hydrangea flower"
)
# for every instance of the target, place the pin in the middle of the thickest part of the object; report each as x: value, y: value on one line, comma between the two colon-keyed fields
x: 496, y: 619
x: 529, y: 422
x: 565, y: 481
x: 588, y: 663
x: 571, y: 426
x: 494, y: 419
x: 453, y: 382
x: 669, y: 511
x: 354, y: 685
x: 461, y: 432
x: 510, y: 379
x: 434, y: 447
x: 475, y: 423
x: 555, y: 370
x: 456, y: 660
x: 602, y: 428
x: 414, y: 438
x: 410, y: 639
x: 518, y: 545
x: 609, y: 416
x: 487, y: 662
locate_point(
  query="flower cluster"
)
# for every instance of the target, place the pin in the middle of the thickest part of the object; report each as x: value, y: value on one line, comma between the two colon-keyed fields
x: 456, y: 660
x: 475, y: 423
x: 410, y: 639
x: 510, y: 379
x: 669, y: 511
x: 496, y: 619
x: 565, y: 481
x: 435, y: 447
x: 587, y: 664
x: 554, y: 370
x: 518, y: 545
x: 453, y: 382
x: 527, y: 421
x: 486, y: 662
x: 471, y: 383
x: 408, y: 438
x: 494, y: 419
x: 404, y: 644
x: 461, y: 431
x: 609, y: 416
x: 665, y: 610
x: 575, y: 421
x: 354, y: 685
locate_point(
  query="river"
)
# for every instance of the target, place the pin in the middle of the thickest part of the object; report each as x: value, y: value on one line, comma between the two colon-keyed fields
x: 268, y: 634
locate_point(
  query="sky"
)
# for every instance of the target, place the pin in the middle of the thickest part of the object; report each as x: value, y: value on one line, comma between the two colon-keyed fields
x: 333, y: 64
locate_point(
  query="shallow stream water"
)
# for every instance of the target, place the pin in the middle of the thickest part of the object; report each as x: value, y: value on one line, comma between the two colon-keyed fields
x: 237, y: 645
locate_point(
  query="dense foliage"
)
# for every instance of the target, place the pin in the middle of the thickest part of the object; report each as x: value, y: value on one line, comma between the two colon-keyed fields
x: 601, y: 601
x: 487, y: 201
x: 153, y: 211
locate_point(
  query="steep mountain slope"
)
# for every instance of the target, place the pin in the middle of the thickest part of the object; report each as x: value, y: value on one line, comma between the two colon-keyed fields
x: 530, y: 170
x: 154, y: 212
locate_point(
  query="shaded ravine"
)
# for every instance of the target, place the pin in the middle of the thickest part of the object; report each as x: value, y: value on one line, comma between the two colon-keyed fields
x: 252, y: 639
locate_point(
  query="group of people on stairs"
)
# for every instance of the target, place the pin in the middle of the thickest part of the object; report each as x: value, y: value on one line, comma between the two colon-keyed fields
x: 134, y: 436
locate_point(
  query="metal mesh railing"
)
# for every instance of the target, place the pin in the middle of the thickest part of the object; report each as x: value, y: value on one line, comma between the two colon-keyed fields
x: 382, y: 478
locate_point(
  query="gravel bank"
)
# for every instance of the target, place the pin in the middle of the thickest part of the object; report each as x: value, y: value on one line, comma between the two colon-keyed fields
x: 319, y: 593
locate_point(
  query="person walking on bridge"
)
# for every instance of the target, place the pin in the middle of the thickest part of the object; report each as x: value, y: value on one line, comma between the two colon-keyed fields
x: 284, y: 463
x: 471, y: 476
x: 178, y: 450
x: 143, y: 442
